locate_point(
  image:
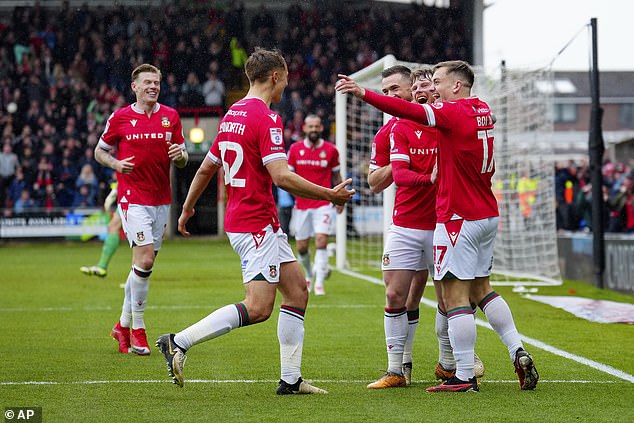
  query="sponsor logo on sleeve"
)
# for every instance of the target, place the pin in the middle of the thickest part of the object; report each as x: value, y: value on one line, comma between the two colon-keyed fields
x: 276, y: 136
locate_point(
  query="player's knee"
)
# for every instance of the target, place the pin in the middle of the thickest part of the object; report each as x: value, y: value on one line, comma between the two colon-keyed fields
x: 145, y: 262
x: 259, y: 312
x: 395, y: 298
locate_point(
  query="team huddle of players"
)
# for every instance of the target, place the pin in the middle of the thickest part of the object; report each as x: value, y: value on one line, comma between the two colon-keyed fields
x: 439, y: 153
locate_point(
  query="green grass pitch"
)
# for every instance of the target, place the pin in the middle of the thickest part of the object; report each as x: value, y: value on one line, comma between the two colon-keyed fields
x: 57, y: 353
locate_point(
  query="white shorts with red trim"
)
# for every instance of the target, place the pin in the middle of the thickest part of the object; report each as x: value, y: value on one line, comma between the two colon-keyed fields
x: 309, y: 222
x: 464, y: 248
x: 261, y: 253
x: 144, y: 225
x: 408, y: 249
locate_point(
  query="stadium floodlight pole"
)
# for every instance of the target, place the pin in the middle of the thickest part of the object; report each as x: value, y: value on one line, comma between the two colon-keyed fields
x: 596, y: 149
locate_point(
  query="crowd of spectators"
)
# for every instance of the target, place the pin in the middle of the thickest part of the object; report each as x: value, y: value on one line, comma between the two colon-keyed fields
x: 63, y: 71
x: 574, y: 196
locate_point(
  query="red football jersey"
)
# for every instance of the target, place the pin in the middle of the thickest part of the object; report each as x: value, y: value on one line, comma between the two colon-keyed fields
x: 380, y: 155
x: 315, y: 164
x: 415, y: 144
x: 134, y: 133
x: 465, y: 152
x: 465, y: 159
x: 250, y: 136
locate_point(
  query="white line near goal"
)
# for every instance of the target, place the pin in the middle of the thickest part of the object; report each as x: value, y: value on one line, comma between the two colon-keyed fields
x: 546, y: 347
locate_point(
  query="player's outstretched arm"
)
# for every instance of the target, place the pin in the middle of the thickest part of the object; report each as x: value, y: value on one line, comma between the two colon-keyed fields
x: 346, y: 85
x: 204, y: 174
x: 298, y: 186
x: 392, y: 105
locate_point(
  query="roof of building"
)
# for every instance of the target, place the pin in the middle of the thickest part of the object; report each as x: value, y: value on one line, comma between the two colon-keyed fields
x: 611, y: 84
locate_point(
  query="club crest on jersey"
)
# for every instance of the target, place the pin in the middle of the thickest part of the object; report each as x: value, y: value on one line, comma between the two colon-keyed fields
x: 436, y: 105
x: 273, y: 271
x: 322, y: 155
x: 386, y: 259
x: 165, y: 122
x: 276, y: 136
x: 133, y: 122
x: 140, y: 236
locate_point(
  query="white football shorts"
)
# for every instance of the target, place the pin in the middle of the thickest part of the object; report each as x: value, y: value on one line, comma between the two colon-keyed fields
x: 408, y: 249
x: 464, y: 248
x: 309, y: 222
x: 261, y: 253
x: 144, y: 225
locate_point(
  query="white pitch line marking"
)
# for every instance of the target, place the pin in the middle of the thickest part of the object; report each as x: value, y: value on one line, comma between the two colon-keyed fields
x: 220, y: 381
x: 539, y: 344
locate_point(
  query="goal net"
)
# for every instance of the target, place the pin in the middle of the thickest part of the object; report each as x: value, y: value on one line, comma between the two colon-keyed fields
x: 526, y: 245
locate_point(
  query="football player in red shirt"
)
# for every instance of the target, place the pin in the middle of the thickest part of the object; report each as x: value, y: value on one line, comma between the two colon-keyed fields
x: 467, y: 215
x: 250, y: 148
x: 317, y: 161
x: 148, y: 137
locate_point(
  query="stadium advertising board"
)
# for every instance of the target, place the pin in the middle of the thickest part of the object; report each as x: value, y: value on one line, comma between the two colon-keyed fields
x: 82, y: 224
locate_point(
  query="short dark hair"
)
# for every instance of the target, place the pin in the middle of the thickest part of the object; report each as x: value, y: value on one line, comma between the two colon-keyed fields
x: 459, y: 67
x: 145, y: 67
x: 397, y: 69
x: 262, y: 62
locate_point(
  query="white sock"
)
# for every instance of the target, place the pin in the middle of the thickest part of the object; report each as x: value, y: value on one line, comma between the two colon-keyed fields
x: 500, y: 318
x: 139, y: 287
x: 462, y: 333
x: 217, y: 323
x: 290, y: 333
x: 395, y: 323
x: 412, y: 325
x: 304, y: 259
x: 445, y: 353
x: 321, y: 266
x: 126, y: 310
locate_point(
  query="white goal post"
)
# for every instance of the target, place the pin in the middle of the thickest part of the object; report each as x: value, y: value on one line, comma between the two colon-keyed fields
x: 526, y: 245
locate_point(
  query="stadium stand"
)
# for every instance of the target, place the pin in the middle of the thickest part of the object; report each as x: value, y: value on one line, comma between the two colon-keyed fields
x: 64, y: 70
